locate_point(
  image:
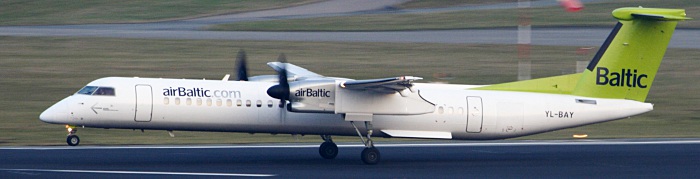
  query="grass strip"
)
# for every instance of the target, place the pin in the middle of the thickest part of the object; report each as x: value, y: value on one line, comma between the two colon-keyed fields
x: 595, y: 14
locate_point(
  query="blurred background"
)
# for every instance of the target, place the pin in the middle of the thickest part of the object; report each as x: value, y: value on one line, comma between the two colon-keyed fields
x: 50, y: 49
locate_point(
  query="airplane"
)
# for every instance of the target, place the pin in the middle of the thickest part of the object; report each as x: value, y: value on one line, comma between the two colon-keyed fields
x: 614, y: 86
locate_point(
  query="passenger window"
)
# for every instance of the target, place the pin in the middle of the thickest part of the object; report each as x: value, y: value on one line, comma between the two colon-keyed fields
x: 460, y: 111
x: 199, y: 101
x: 166, y: 100
x: 258, y: 103
x: 247, y: 103
x: 87, y: 90
x: 104, y: 91
x: 209, y: 102
x: 239, y: 103
x: 450, y: 110
x: 229, y: 103
x: 219, y: 102
x: 441, y: 110
x: 189, y: 101
x: 269, y: 103
x: 177, y: 101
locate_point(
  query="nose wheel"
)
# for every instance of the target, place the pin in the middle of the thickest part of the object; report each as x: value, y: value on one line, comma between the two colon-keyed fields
x: 72, y: 139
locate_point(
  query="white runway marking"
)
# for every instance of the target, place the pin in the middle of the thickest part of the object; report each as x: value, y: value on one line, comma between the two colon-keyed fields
x: 426, y: 144
x: 144, y: 172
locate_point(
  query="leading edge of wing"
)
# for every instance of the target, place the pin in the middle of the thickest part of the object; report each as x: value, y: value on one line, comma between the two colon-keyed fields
x: 394, y: 84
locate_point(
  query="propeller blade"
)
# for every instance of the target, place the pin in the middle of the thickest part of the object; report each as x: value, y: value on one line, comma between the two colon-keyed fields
x: 284, y: 84
x: 241, y: 67
x: 281, y: 90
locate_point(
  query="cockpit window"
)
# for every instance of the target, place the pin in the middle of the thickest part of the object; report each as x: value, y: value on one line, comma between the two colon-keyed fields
x: 104, y: 91
x: 87, y: 90
x: 98, y: 91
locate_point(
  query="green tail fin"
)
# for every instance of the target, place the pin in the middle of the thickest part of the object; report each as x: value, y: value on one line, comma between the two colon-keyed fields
x: 626, y: 64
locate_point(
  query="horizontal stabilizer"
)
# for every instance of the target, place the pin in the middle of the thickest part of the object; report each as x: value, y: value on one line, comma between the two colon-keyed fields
x: 658, y: 14
x: 659, y: 17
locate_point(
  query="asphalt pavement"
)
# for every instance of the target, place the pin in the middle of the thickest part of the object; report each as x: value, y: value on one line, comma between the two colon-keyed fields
x: 629, y: 158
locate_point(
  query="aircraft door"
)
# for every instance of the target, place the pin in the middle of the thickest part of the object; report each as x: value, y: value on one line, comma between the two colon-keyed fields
x: 475, y: 113
x: 144, y: 103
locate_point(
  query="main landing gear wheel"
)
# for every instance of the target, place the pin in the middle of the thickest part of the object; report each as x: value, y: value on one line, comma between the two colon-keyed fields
x: 73, y: 140
x: 370, y: 156
x: 328, y: 150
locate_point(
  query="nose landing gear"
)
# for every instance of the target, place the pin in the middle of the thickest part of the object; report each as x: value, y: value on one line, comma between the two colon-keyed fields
x: 72, y: 139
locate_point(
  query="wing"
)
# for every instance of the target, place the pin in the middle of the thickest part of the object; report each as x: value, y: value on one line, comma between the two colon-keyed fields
x: 293, y: 70
x: 383, y: 85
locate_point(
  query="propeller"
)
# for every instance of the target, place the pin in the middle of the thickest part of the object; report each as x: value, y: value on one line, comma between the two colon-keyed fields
x: 241, y: 68
x: 281, y: 90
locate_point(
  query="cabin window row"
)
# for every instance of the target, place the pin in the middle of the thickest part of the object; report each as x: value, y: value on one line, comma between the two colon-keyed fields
x: 217, y: 102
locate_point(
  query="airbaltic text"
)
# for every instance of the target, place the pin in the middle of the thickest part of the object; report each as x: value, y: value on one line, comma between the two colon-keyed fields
x: 200, y: 92
x: 308, y: 92
x: 627, y: 77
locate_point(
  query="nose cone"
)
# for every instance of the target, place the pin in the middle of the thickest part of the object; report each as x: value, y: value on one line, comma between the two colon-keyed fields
x: 56, y: 114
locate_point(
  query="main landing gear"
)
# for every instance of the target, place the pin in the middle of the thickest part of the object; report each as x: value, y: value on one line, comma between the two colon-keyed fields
x: 328, y: 149
x: 72, y: 139
x: 370, y: 155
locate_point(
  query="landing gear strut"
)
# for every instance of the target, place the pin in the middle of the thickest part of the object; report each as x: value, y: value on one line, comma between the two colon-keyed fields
x: 328, y: 149
x: 370, y: 155
x: 72, y: 139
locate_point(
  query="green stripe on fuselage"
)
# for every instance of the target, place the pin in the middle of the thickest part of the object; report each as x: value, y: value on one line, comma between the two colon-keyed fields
x: 564, y: 84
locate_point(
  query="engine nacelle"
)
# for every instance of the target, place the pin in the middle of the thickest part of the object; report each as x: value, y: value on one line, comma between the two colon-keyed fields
x: 326, y: 96
x: 315, y: 96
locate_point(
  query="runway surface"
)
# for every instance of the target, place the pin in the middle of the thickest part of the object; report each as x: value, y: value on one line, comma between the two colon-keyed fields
x: 629, y: 158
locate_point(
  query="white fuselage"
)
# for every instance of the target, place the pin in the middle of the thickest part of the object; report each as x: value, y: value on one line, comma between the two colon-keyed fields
x: 236, y: 106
